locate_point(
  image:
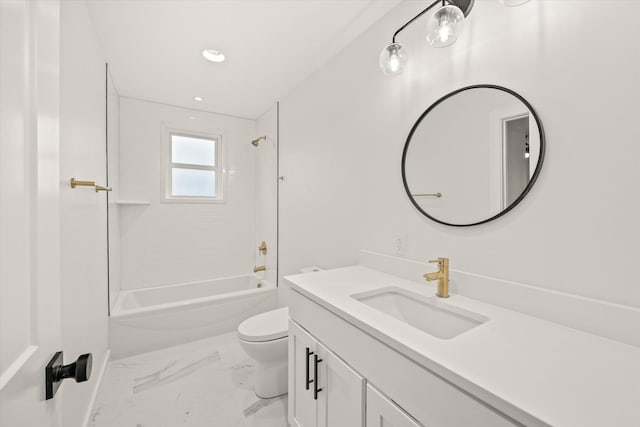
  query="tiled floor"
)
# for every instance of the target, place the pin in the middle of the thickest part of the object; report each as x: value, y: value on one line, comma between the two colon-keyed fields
x: 206, y: 383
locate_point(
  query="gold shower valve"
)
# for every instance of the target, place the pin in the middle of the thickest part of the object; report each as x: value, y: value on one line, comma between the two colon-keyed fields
x: 263, y: 248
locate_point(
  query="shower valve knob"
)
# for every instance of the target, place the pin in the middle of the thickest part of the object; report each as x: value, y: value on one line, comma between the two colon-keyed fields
x: 56, y: 371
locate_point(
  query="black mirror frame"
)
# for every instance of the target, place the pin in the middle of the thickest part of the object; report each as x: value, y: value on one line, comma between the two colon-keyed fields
x: 532, y: 181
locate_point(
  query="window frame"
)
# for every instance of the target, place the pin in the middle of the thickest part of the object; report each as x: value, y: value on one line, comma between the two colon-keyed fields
x: 167, y: 166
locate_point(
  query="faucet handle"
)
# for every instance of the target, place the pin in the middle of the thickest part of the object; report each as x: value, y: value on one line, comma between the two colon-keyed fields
x: 442, y: 262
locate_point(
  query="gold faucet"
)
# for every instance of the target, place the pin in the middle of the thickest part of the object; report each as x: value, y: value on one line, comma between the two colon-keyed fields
x: 259, y: 268
x: 442, y: 276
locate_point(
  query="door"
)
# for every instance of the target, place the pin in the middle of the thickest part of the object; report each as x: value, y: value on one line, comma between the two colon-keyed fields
x: 29, y: 209
x: 516, y: 155
x: 341, y: 399
x: 381, y: 412
x: 302, y: 405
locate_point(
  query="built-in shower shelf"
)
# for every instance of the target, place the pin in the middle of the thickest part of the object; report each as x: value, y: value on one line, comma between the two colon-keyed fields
x: 133, y: 202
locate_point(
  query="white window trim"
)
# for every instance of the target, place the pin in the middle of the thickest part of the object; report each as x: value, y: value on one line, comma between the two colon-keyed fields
x: 167, y: 165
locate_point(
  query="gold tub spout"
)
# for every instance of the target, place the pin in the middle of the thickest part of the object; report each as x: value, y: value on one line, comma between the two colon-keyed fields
x: 259, y: 268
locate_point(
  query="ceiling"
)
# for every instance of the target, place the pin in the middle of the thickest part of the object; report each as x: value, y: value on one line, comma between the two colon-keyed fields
x: 154, y: 47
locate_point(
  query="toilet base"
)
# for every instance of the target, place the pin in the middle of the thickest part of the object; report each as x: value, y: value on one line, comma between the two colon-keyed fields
x: 271, y: 380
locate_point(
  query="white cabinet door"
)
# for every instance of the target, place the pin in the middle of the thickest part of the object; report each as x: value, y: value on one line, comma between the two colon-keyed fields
x: 381, y: 412
x: 341, y: 395
x: 302, y: 405
x: 29, y: 210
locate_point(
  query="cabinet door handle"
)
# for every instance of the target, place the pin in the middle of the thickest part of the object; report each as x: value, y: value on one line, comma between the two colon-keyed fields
x: 307, y: 380
x: 316, y: 390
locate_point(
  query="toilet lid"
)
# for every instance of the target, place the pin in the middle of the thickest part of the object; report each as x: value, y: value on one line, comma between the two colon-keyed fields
x: 267, y: 326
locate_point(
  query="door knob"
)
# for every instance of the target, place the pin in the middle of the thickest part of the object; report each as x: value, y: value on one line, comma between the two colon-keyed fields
x: 56, y: 371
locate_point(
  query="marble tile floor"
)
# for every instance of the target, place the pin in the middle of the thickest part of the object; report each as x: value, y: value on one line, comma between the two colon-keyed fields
x: 207, y: 383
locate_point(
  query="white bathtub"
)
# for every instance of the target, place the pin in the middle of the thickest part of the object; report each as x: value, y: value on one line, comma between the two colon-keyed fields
x: 149, y: 319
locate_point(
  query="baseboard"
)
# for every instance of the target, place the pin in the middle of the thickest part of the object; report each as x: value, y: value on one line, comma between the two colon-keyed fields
x: 96, y: 388
x: 614, y: 321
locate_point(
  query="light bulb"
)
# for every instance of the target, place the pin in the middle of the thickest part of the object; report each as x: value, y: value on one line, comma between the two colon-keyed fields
x: 394, y: 62
x: 444, y: 32
x: 213, y: 55
x: 444, y: 25
x: 393, y: 59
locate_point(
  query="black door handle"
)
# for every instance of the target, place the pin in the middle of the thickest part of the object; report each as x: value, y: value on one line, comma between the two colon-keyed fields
x: 56, y: 371
x: 316, y: 390
x: 307, y: 380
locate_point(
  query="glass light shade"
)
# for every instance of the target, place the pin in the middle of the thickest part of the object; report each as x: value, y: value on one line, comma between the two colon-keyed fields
x: 393, y: 59
x: 513, y: 2
x: 444, y: 26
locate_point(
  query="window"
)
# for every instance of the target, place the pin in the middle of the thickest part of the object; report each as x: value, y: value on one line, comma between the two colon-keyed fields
x: 195, y: 171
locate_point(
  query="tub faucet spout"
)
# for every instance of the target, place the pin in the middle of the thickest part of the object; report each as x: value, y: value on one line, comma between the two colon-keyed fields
x: 259, y: 268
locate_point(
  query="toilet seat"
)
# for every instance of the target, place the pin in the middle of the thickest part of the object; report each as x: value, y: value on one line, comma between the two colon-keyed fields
x: 268, y: 326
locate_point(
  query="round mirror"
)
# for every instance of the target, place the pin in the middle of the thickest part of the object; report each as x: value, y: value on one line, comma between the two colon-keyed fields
x: 473, y: 155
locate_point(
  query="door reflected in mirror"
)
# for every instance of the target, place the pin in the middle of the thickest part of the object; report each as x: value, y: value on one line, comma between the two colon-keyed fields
x: 473, y: 155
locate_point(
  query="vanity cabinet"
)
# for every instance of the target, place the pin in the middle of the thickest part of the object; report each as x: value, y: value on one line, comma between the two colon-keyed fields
x: 381, y: 412
x: 323, y: 390
x: 425, y: 396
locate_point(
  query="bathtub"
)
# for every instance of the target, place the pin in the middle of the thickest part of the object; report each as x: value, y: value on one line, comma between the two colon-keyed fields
x: 148, y: 319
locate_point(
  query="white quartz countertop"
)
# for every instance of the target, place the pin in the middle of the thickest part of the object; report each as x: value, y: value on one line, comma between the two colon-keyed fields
x: 559, y: 375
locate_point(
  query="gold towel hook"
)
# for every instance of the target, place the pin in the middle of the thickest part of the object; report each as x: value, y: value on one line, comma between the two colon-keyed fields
x: 101, y: 188
x: 77, y: 183
x: 428, y: 195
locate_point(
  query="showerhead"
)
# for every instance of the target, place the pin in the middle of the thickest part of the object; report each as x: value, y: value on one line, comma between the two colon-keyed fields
x: 256, y: 141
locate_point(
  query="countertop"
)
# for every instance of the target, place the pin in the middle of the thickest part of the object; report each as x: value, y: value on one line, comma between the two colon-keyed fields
x: 559, y: 375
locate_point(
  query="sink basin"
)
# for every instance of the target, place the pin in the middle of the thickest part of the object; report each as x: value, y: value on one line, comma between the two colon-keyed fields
x: 429, y: 314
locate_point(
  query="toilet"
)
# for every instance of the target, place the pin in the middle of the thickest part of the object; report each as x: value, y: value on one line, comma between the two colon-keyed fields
x: 264, y: 337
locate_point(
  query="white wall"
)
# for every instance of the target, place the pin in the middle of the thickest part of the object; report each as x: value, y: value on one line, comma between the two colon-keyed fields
x: 165, y: 243
x: 343, y: 130
x: 83, y: 211
x: 266, y: 164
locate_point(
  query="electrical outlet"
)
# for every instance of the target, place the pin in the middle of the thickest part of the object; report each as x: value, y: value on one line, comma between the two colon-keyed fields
x: 400, y: 244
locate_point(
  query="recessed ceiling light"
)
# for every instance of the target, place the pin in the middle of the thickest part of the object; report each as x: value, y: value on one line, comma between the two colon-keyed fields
x: 198, y: 98
x: 213, y: 55
x: 192, y: 118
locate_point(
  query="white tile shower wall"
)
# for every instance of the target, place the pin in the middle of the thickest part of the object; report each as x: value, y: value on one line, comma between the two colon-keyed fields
x: 83, y: 211
x: 577, y: 232
x: 266, y: 159
x: 165, y: 243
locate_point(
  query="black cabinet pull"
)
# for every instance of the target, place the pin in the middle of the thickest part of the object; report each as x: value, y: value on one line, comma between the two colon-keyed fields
x: 307, y: 380
x: 316, y: 390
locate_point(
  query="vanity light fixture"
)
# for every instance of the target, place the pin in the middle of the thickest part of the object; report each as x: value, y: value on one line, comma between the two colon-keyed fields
x: 443, y: 28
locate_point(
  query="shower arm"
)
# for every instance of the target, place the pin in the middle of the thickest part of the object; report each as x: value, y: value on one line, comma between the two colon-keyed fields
x: 256, y: 141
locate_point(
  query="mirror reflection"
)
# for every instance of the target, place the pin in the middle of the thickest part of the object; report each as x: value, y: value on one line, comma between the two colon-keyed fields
x: 473, y: 155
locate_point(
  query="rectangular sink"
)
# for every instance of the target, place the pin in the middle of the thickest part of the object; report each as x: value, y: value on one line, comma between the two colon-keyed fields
x: 429, y: 314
